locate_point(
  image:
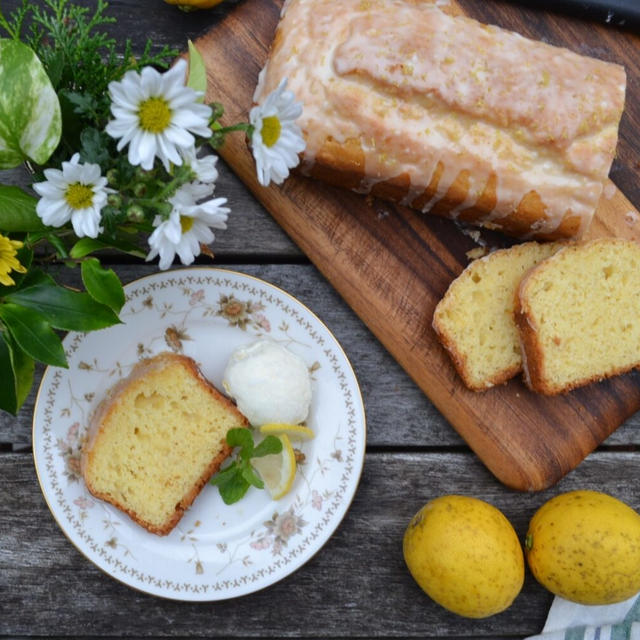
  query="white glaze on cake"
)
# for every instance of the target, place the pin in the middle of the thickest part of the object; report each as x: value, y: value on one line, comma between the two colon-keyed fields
x: 419, y: 89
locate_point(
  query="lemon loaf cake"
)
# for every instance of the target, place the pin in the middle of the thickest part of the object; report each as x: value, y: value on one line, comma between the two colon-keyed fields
x: 405, y: 100
x: 474, y: 320
x: 156, y: 439
x: 578, y: 314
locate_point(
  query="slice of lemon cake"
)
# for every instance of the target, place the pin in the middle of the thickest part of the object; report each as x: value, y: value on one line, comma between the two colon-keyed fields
x: 579, y: 315
x: 474, y: 320
x: 156, y: 439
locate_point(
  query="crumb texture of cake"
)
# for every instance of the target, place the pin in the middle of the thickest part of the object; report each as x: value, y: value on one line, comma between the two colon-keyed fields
x: 405, y: 100
x: 474, y: 320
x: 577, y: 313
x: 156, y: 439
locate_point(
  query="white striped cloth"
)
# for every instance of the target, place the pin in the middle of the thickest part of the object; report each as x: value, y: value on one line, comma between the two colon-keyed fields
x: 571, y: 621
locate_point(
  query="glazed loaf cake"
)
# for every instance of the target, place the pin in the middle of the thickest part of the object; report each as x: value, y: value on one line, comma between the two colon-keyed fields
x: 408, y: 102
x: 577, y: 313
x: 474, y: 320
x: 156, y: 439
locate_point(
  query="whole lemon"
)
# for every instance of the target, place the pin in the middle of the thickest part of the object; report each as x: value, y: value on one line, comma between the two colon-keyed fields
x: 465, y: 555
x: 585, y: 547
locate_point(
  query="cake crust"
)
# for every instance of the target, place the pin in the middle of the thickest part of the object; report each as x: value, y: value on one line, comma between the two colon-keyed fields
x: 536, y: 348
x: 409, y: 102
x: 111, y: 404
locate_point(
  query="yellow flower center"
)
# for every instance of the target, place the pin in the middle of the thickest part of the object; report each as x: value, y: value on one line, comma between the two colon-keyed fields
x: 79, y: 196
x: 8, y: 261
x: 154, y: 115
x: 270, y: 131
x: 186, y: 223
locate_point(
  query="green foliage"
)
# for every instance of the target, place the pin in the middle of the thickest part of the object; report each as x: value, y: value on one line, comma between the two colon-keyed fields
x: 30, y: 117
x: 79, y: 56
x: 18, y: 369
x: 18, y: 210
x: 103, y: 285
x: 197, y: 70
x: 33, y: 334
x: 234, y: 481
x: 63, y: 309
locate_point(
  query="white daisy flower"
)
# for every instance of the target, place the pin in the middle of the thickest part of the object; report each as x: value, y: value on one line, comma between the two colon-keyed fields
x: 156, y: 115
x: 276, y: 139
x: 76, y: 193
x: 188, y: 226
x: 204, y: 168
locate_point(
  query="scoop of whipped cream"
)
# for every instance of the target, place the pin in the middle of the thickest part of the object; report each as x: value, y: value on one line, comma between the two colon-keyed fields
x: 269, y: 383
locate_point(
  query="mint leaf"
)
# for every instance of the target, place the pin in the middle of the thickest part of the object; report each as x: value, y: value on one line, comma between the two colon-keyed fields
x: 102, y: 285
x: 33, y: 334
x: 231, y: 484
x: 241, y: 437
x: 271, y: 444
x: 249, y: 474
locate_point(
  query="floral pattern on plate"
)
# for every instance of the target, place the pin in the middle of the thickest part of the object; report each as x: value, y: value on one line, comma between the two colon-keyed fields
x: 216, y: 551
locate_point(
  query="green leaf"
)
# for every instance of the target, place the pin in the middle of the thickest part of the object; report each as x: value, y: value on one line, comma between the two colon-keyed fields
x: 65, y: 309
x: 271, y: 444
x: 85, y: 246
x: 241, y: 437
x: 30, y: 118
x: 233, y: 488
x: 197, y: 71
x: 23, y: 370
x: 84, y: 104
x: 8, y: 388
x: 225, y: 474
x: 33, y: 334
x: 102, y: 284
x: 18, y: 209
x: 251, y: 476
x: 94, y: 147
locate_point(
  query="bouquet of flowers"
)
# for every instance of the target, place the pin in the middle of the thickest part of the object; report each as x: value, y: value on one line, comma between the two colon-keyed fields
x: 116, y: 150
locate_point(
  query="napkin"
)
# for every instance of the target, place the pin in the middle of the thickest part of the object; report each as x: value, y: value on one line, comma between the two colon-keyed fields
x: 571, y: 621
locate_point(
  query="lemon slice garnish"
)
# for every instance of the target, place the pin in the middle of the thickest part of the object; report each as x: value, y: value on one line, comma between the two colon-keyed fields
x: 277, y: 470
x: 293, y: 431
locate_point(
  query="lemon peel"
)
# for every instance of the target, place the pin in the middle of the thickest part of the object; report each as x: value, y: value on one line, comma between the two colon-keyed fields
x: 296, y: 432
x: 277, y: 470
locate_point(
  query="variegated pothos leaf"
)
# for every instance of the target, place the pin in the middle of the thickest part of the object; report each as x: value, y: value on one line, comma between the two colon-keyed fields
x: 30, y: 120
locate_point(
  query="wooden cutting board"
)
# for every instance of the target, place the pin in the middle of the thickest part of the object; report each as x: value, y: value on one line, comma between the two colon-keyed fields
x: 392, y: 265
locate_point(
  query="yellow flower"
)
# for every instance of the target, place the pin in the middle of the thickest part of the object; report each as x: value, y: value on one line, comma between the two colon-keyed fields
x: 8, y: 260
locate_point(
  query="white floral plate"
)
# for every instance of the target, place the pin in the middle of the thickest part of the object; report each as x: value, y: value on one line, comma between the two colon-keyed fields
x: 216, y: 551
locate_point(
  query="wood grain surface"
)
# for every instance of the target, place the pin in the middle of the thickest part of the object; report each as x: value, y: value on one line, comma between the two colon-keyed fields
x: 392, y: 265
x: 357, y: 585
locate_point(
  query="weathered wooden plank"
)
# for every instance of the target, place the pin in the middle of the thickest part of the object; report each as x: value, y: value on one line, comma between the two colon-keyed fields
x: 398, y: 413
x: 357, y: 582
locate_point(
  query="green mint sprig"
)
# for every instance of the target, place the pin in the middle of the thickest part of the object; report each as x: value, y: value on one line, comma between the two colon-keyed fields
x: 234, y: 481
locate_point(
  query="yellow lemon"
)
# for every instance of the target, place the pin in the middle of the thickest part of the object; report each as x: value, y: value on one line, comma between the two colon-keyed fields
x: 191, y: 5
x: 585, y: 547
x: 293, y: 431
x: 277, y: 470
x: 465, y: 555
